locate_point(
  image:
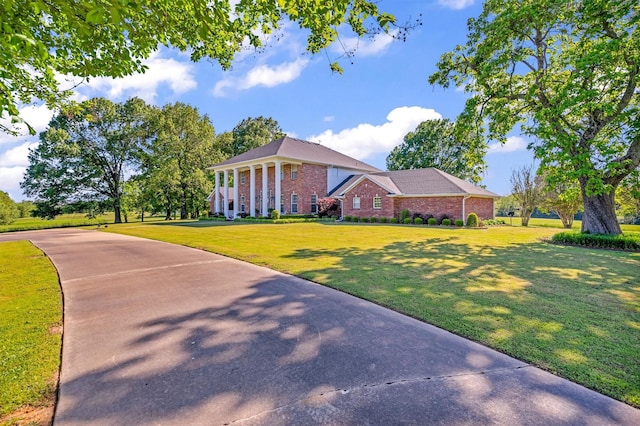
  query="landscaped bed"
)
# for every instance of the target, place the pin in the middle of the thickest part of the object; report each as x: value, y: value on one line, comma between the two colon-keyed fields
x: 572, y: 311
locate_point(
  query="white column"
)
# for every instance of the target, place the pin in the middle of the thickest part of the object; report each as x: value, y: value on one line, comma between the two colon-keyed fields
x: 265, y: 190
x: 278, y: 184
x: 225, y: 182
x: 236, y: 196
x: 216, y: 197
x: 252, y: 190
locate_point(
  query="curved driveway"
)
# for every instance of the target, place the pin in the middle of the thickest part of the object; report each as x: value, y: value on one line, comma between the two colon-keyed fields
x: 156, y: 333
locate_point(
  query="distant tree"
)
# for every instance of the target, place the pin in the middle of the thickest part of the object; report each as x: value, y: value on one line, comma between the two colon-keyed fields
x: 562, y: 198
x: 25, y: 208
x: 628, y: 198
x: 437, y: 143
x: 84, y: 154
x: 8, y: 209
x: 527, y: 189
x: 251, y: 133
x: 566, y: 73
x: 45, y: 39
x: 505, y: 205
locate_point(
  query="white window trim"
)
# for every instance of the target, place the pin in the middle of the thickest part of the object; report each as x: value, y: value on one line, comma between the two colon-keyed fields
x: 242, y: 178
x: 353, y: 203
x: 377, y: 197
x: 294, y: 204
x: 294, y: 171
x: 243, y: 204
x: 314, y: 203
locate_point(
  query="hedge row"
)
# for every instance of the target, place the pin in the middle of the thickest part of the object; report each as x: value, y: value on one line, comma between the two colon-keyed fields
x: 617, y: 242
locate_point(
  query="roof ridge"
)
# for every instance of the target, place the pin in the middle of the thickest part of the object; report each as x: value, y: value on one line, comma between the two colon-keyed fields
x: 448, y: 177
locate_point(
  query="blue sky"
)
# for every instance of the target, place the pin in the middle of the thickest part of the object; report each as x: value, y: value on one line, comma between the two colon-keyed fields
x: 365, y: 112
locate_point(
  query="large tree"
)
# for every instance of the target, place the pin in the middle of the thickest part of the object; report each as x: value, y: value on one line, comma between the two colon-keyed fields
x: 568, y: 72
x: 436, y: 143
x: 8, y: 209
x: 175, y: 160
x: 42, y: 39
x: 85, y: 153
x: 251, y: 133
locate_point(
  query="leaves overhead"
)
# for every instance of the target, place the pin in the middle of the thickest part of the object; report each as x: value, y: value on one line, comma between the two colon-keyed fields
x: 42, y: 39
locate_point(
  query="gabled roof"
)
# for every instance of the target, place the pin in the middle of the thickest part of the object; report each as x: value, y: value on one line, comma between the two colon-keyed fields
x: 303, y: 151
x: 425, y: 182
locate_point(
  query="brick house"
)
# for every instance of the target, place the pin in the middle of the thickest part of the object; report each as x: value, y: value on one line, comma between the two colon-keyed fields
x: 426, y: 191
x: 309, y: 171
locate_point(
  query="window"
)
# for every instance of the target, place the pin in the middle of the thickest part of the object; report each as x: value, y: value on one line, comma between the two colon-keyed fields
x: 243, y: 202
x: 356, y: 202
x: 282, y: 204
x: 294, y: 171
x: 314, y: 203
x: 281, y: 173
x: 242, y: 178
x: 294, y: 203
x: 272, y: 200
x: 377, y: 202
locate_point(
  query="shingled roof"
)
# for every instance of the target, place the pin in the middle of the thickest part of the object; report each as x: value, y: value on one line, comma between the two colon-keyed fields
x: 417, y: 182
x: 299, y: 150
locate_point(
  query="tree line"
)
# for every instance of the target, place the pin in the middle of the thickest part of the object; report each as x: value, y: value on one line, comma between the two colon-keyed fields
x: 133, y: 156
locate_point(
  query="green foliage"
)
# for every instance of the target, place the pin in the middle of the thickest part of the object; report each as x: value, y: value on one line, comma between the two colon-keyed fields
x: 347, y: 218
x: 405, y: 213
x: 459, y: 222
x: 45, y: 39
x: 393, y: 220
x: 355, y: 219
x: 373, y: 219
x: 472, y: 220
x: 30, y: 315
x: 251, y: 133
x: 8, y: 209
x: 566, y: 73
x: 419, y: 221
x: 364, y: 219
x: 432, y: 221
x: 25, y: 208
x: 505, y: 205
x: 275, y: 214
x: 439, y: 144
x: 407, y: 220
x: 491, y: 222
x: 629, y: 242
x: 628, y: 198
x: 383, y: 220
x: 561, y: 197
x: 446, y: 222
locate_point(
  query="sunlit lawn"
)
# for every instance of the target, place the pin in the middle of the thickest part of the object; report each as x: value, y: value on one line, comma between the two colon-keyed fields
x: 30, y: 320
x: 572, y: 311
x: 65, y: 221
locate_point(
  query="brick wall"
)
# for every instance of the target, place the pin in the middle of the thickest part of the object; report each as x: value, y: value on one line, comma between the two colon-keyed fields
x: 436, y: 206
x: 366, y: 191
x: 483, y: 207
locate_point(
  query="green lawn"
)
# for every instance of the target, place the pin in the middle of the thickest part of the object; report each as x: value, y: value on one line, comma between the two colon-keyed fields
x: 572, y: 311
x: 30, y: 328
x: 62, y: 221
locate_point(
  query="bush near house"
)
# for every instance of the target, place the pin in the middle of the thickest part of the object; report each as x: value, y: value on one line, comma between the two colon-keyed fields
x: 630, y: 242
x: 418, y: 221
x: 459, y: 222
x: 275, y: 214
x: 432, y: 221
x: 404, y: 214
x: 364, y: 219
x: 393, y: 220
x: 406, y: 220
x: 383, y: 220
x: 446, y: 222
x: 472, y: 220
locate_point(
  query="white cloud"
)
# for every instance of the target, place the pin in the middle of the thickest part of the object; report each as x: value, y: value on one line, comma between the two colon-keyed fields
x: 366, y: 139
x: 328, y: 118
x: 177, y: 75
x: 513, y: 143
x: 363, y: 47
x: 262, y: 75
x: 10, y: 178
x: 17, y: 156
x: 38, y: 116
x: 455, y: 4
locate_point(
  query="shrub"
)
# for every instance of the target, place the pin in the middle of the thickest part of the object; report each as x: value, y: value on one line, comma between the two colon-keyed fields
x: 459, y: 222
x: 432, y: 221
x: 405, y: 213
x: 472, y: 220
x: 418, y: 221
x: 617, y: 242
x: 275, y: 214
x: 393, y: 220
x: 442, y: 217
x: 364, y: 219
x: 355, y: 219
x: 383, y: 220
x: 347, y: 218
x: 491, y: 222
x: 426, y: 217
x: 373, y: 219
x: 406, y: 220
x: 446, y: 222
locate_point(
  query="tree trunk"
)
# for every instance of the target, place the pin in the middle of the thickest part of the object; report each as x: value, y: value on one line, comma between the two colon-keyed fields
x: 600, y: 214
x: 116, y: 211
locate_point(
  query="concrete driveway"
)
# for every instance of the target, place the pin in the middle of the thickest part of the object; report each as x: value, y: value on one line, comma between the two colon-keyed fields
x: 156, y: 333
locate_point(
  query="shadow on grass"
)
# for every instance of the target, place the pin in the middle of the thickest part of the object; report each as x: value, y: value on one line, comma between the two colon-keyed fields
x: 572, y: 311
